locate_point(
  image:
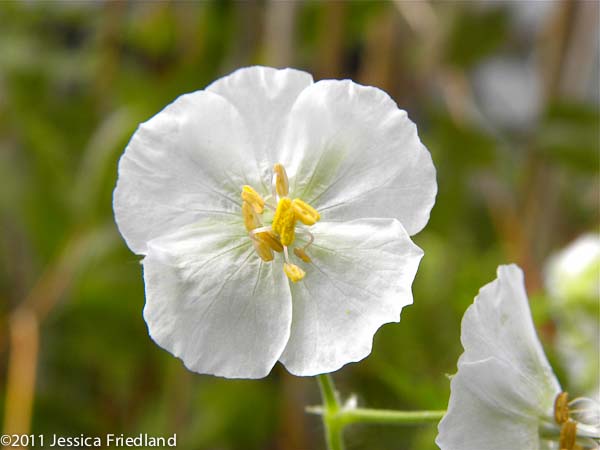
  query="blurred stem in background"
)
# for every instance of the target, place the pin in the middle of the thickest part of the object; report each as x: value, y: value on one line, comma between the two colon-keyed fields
x: 22, y: 364
x: 24, y: 324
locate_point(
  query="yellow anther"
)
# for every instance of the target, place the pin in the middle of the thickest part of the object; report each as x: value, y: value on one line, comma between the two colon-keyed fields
x: 568, y: 435
x: 263, y: 250
x: 300, y: 253
x: 251, y: 196
x: 268, y: 238
x: 561, y: 408
x: 293, y: 272
x: 250, y: 218
x: 281, y: 234
x: 284, y: 221
x: 305, y: 213
x: 280, y: 180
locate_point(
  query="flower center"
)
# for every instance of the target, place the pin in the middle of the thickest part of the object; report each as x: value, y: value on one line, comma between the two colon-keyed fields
x: 281, y: 234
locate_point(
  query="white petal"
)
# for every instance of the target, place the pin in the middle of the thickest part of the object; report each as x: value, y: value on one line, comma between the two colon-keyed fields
x: 212, y: 302
x: 504, y: 387
x: 471, y: 423
x: 501, y: 387
x: 264, y: 97
x: 548, y: 445
x: 360, y: 278
x: 498, y: 325
x: 187, y: 162
x: 586, y: 411
x: 351, y: 153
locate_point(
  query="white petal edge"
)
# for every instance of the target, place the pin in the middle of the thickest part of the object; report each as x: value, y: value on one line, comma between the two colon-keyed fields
x: 360, y: 279
x: 187, y: 162
x: 499, y: 325
x: 471, y: 423
x: 504, y: 386
x: 351, y: 153
x: 213, y: 303
x: 264, y: 97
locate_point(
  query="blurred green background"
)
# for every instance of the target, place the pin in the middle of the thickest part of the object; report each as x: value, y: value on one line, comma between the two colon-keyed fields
x: 505, y: 96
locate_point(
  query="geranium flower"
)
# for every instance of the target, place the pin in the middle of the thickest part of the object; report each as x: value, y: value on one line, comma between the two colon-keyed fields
x: 572, y: 279
x: 505, y: 395
x: 572, y: 276
x: 273, y: 215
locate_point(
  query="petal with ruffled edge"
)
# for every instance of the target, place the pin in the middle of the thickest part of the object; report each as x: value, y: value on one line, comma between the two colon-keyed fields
x: 471, y: 423
x: 504, y: 387
x: 360, y: 278
x: 264, y: 97
x: 498, y: 325
x: 351, y: 153
x: 187, y: 162
x: 213, y: 303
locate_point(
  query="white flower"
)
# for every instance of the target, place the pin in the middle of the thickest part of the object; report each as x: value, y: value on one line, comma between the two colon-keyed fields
x: 505, y: 395
x: 573, y: 274
x: 572, y: 277
x: 509, y: 90
x: 197, y: 189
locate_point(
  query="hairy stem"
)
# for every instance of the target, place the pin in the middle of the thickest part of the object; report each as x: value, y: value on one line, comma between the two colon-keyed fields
x: 333, y: 426
x: 336, y: 417
x: 391, y: 417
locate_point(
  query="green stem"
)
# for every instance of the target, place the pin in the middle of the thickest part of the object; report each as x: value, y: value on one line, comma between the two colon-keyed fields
x: 335, y: 418
x: 333, y: 427
x: 383, y: 416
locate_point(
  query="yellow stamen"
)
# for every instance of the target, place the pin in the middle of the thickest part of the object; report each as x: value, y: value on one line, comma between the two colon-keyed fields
x: 293, y: 272
x: 250, y: 218
x: 251, y: 196
x: 268, y: 238
x: 568, y: 434
x: 300, y: 253
x: 284, y: 221
x: 263, y: 250
x: 561, y: 408
x: 280, y: 180
x: 280, y: 235
x: 305, y: 213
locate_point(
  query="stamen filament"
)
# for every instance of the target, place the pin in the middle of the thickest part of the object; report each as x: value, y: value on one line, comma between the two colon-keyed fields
x: 286, y: 255
x: 311, y: 239
x: 255, y: 231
